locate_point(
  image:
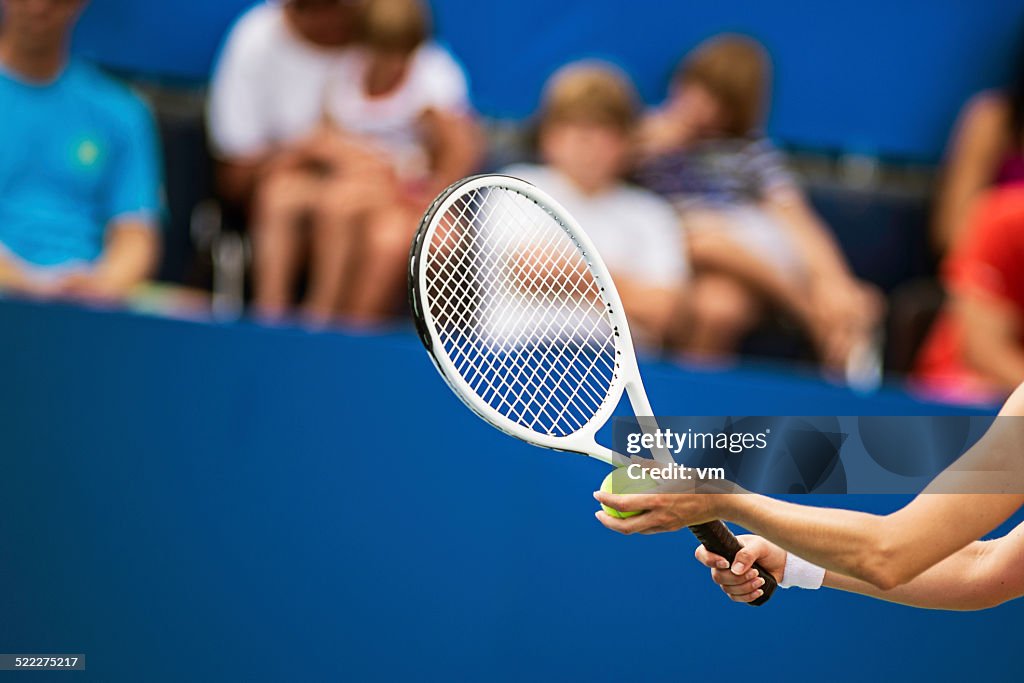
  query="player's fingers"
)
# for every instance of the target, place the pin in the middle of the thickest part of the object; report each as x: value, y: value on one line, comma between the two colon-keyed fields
x: 632, y: 525
x: 747, y: 556
x: 746, y: 597
x: 744, y: 588
x: 630, y: 502
x: 724, y: 577
x: 613, y: 523
x: 709, y: 559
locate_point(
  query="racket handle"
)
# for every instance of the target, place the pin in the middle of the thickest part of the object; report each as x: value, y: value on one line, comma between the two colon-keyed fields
x: 716, y: 537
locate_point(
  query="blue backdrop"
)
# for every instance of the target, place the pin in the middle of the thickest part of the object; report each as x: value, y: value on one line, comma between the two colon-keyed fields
x: 866, y: 76
x: 198, y: 502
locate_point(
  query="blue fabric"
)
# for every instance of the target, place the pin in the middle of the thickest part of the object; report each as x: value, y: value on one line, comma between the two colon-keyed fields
x: 78, y: 153
x: 232, y: 503
x: 863, y: 76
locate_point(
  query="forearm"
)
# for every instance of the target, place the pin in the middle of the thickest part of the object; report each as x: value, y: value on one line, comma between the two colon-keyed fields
x: 952, y: 584
x: 841, y: 541
x: 1010, y: 371
x: 975, y: 151
x: 1002, y: 360
x: 821, y: 254
x: 129, y: 258
x: 11, y: 275
x: 457, y: 147
x: 884, y: 551
x: 951, y: 214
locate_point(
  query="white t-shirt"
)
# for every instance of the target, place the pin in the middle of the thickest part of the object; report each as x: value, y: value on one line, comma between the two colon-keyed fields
x: 433, y: 82
x: 269, y: 85
x: 637, y: 233
x: 272, y: 87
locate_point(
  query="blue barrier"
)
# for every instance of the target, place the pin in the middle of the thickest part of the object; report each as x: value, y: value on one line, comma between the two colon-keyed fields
x: 187, y: 501
x: 864, y: 76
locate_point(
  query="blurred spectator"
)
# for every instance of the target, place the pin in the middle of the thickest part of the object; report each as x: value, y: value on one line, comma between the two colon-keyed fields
x: 976, y: 349
x: 266, y: 116
x: 407, y: 96
x: 407, y: 100
x: 586, y: 126
x: 986, y: 149
x: 335, y: 145
x: 79, y: 178
x: 752, y: 236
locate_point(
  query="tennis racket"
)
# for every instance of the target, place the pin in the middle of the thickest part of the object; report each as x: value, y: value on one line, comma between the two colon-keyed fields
x: 521, y: 318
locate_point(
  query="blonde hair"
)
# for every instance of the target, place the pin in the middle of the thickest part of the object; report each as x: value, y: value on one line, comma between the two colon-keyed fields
x: 395, y: 25
x: 590, y: 92
x: 736, y: 71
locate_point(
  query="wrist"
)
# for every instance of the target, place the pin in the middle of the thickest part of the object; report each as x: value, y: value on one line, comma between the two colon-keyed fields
x: 730, y: 507
x: 799, y: 573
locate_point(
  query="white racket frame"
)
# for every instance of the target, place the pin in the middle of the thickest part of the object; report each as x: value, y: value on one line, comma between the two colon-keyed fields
x: 626, y: 376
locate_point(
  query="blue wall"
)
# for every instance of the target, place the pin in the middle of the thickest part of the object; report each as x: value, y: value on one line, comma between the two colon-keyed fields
x: 199, y: 502
x: 870, y: 76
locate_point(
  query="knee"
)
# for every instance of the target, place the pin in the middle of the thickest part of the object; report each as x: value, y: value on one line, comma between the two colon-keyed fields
x: 337, y: 206
x: 708, y: 240
x: 724, y: 306
x: 389, y: 235
x: 350, y: 199
x: 283, y: 195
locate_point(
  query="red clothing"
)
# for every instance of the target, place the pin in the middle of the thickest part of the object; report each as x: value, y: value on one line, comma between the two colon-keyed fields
x: 989, y: 262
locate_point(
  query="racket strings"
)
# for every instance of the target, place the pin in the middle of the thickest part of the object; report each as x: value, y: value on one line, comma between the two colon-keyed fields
x: 545, y: 274
x: 519, y: 312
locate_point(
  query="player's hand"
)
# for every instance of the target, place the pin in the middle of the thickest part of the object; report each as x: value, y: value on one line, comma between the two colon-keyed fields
x: 675, y: 503
x: 659, y: 512
x: 740, y: 581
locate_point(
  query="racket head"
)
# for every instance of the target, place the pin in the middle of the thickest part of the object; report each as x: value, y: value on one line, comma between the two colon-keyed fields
x: 519, y: 313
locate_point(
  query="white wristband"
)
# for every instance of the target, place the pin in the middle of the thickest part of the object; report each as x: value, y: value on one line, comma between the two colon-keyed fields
x: 800, y: 573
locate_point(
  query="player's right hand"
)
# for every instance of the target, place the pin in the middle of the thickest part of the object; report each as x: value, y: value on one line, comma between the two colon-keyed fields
x: 740, y: 581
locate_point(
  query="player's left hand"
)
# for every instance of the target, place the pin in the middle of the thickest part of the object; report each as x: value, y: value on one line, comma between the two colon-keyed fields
x: 659, y: 512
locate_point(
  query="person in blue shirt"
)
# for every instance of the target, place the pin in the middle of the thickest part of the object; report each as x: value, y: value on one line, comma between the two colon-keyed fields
x: 79, y: 165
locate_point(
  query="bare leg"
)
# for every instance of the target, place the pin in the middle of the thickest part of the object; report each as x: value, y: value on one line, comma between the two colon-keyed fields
x: 723, y: 311
x: 282, y: 202
x: 715, y: 251
x: 378, y: 288
x: 333, y: 243
x: 349, y: 198
x: 678, y: 328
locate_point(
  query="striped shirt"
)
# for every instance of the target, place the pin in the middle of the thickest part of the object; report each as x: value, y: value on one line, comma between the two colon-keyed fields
x: 720, y: 173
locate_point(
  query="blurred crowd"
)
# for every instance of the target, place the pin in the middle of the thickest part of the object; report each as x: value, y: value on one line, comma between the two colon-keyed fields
x: 335, y: 122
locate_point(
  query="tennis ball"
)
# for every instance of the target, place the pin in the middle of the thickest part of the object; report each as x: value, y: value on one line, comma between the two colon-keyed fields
x: 619, y: 482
